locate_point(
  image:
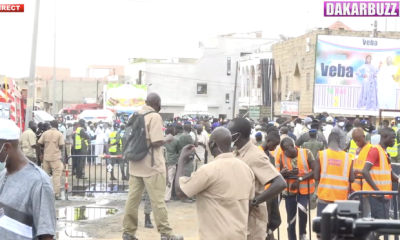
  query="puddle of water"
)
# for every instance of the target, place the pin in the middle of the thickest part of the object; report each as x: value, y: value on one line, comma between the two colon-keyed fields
x: 68, y: 219
x: 67, y: 231
x: 84, y: 213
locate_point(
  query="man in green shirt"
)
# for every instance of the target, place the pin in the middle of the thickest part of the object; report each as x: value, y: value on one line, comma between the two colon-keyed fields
x: 314, y: 146
x: 184, y: 139
x: 171, y: 161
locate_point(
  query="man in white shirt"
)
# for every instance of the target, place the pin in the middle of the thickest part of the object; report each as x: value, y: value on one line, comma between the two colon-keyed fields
x: 328, y: 127
x: 298, y: 128
x: 100, y: 139
x: 387, y: 85
x: 202, y: 139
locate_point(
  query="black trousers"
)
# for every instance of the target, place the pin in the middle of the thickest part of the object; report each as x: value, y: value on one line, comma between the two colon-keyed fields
x: 78, y: 163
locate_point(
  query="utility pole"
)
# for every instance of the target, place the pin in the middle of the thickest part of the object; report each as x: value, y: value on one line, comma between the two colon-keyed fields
x: 54, y: 63
x: 140, y: 77
x: 32, y: 71
x: 234, y: 91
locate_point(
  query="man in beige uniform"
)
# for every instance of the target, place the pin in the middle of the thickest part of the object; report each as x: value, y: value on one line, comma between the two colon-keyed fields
x: 153, y: 177
x: 53, y: 141
x: 223, y: 189
x: 264, y: 172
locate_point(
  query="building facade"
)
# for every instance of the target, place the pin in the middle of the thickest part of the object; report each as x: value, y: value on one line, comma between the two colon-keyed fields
x: 295, y: 67
x: 208, y: 81
x: 70, y: 90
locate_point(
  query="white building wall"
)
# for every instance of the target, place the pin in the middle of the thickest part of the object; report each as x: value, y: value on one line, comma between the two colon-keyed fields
x: 177, y: 82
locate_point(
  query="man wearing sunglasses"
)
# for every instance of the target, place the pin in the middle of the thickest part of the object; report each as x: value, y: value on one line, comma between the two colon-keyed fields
x: 264, y: 172
x: 223, y: 211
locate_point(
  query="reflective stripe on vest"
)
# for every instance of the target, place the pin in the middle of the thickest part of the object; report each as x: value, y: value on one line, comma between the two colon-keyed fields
x: 393, y: 151
x: 121, y: 135
x: 334, y: 181
x: 381, y: 175
x: 358, y: 164
x: 113, y: 140
x: 78, y: 139
x: 302, y: 165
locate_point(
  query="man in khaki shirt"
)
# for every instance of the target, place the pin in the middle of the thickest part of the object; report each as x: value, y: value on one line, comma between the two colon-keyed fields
x: 153, y: 177
x: 53, y: 142
x: 28, y: 142
x: 264, y: 172
x: 223, y: 189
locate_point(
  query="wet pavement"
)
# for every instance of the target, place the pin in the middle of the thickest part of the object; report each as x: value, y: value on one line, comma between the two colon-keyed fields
x: 70, y: 219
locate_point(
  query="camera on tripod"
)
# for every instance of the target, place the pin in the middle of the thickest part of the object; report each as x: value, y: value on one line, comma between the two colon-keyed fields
x: 340, y: 220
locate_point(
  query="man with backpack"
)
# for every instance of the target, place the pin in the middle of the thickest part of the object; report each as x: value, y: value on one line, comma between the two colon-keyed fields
x: 142, y: 146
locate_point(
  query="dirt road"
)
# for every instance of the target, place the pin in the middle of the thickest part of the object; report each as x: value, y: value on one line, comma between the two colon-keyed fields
x: 107, y: 224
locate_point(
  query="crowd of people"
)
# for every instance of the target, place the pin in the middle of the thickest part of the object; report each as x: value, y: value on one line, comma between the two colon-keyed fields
x: 236, y: 171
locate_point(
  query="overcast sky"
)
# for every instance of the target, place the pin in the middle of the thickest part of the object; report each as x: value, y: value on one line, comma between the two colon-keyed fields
x: 111, y: 31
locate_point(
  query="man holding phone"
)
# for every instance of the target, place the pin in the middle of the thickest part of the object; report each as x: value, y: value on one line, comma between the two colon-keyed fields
x: 296, y: 165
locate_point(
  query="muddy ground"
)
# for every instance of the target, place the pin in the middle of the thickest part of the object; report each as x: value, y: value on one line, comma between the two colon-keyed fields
x: 107, y: 224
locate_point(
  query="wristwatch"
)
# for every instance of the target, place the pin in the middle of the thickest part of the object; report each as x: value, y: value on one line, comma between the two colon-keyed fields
x: 254, y: 202
x: 300, y: 179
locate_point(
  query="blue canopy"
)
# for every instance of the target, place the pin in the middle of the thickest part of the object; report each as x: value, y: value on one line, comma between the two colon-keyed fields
x: 128, y: 111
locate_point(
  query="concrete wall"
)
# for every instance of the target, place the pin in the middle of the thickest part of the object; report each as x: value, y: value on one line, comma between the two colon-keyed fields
x: 294, y: 63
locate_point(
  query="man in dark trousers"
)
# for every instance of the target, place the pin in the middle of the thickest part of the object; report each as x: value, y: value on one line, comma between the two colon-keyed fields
x: 272, y: 140
x: 81, y: 144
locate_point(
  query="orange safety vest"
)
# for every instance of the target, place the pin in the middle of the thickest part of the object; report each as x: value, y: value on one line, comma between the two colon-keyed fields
x: 358, y: 164
x: 335, y: 172
x: 302, y: 165
x: 381, y: 175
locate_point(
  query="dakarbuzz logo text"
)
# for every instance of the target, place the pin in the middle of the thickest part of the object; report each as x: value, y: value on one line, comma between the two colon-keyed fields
x: 361, y: 9
x: 12, y: 8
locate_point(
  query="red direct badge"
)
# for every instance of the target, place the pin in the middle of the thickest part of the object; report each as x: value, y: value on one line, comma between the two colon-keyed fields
x: 12, y: 8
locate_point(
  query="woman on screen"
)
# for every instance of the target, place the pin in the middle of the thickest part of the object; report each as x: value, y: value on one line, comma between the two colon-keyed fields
x: 387, y: 85
x: 368, y: 96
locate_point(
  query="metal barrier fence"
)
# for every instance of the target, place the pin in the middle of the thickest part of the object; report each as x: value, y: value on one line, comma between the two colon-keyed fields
x: 96, y: 178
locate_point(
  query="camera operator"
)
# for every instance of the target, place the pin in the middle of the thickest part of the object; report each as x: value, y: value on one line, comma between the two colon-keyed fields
x: 379, y: 175
x: 333, y: 171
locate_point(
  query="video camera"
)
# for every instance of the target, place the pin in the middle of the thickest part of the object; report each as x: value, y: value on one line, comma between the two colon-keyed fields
x: 340, y: 221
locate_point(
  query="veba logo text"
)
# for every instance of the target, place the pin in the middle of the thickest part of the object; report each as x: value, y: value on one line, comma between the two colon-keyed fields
x: 361, y: 9
x: 12, y: 8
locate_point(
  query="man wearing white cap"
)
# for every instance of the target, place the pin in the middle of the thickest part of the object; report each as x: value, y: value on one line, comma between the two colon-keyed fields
x: 27, y: 209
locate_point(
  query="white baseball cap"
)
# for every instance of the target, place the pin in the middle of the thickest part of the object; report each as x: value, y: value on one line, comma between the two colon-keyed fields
x: 329, y: 119
x: 9, y: 130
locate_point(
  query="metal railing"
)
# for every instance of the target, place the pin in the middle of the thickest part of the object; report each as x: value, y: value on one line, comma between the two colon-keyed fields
x: 96, y: 178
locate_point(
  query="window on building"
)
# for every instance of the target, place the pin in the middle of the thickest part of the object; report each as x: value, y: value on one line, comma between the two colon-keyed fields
x: 202, y: 88
x: 227, y: 98
x: 287, y: 84
x: 308, y: 83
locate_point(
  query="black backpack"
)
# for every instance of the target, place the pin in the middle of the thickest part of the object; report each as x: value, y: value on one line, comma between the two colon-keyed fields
x: 134, y: 142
